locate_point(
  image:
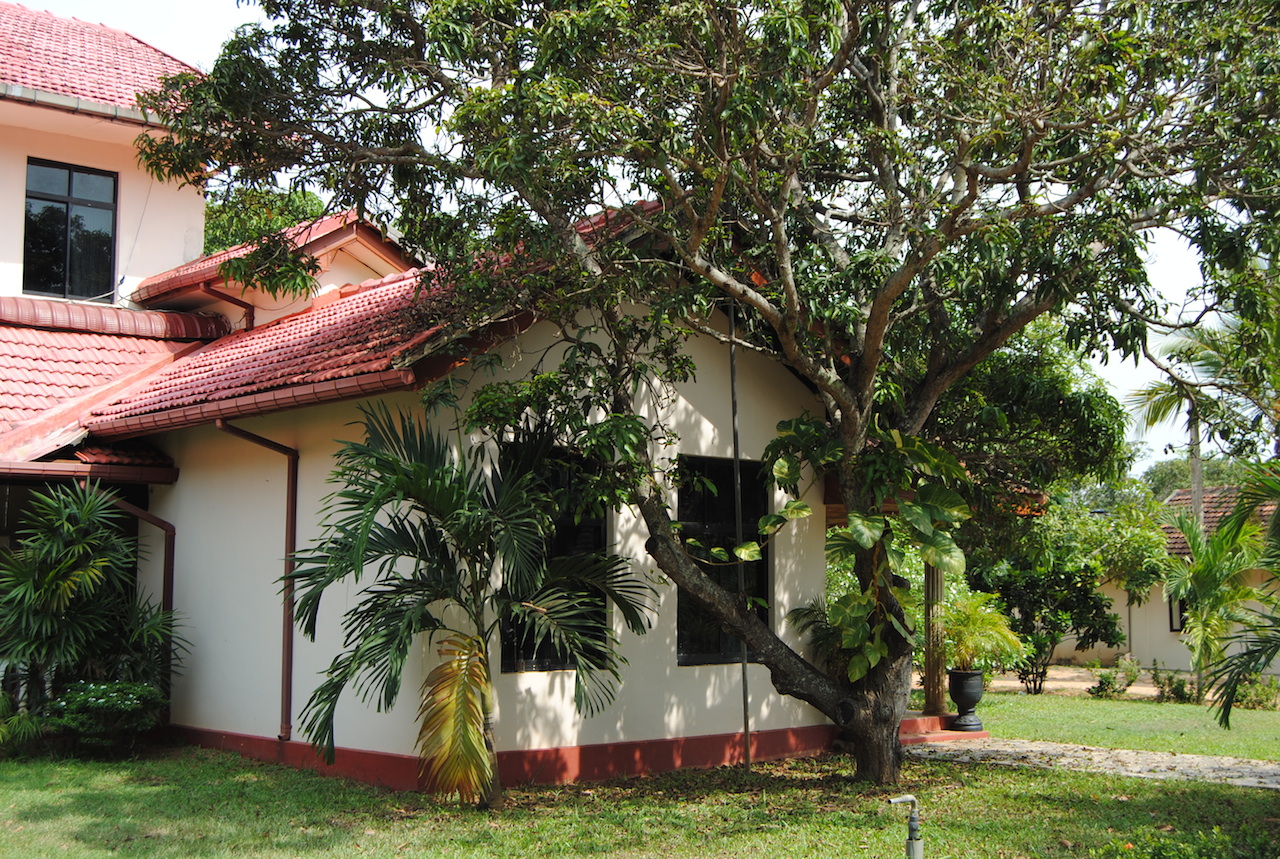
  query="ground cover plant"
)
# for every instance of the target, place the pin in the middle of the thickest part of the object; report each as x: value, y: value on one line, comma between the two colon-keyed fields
x: 198, y: 803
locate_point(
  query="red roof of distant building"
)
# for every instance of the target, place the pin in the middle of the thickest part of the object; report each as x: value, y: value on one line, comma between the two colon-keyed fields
x: 73, y: 58
x: 352, y: 343
x: 1219, y: 503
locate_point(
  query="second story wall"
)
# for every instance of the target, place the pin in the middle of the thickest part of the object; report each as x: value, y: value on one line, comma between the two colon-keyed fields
x: 156, y: 226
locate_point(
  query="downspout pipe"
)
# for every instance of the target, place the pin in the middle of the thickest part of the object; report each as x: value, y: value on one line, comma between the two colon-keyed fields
x: 290, y: 547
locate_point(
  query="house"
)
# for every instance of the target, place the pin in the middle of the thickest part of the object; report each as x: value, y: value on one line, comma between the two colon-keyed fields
x: 252, y: 422
x: 217, y: 411
x: 1153, y: 629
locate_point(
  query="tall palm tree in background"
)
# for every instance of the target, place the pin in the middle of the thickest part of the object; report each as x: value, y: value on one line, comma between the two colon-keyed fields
x: 456, y: 547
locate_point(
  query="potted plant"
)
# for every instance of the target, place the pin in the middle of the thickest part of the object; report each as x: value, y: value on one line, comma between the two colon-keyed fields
x: 978, y: 638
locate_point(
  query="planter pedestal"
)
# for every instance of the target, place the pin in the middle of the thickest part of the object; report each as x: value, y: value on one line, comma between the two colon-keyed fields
x: 965, y: 688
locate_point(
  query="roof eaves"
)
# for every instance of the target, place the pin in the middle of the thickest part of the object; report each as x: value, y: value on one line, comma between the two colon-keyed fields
x: 88, y: 471
x: 250, y: 405
x: 72, y: 104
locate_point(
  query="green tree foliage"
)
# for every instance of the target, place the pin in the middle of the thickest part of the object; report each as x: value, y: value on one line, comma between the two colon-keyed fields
x: 1169, y: 475
x: 1049, y: 580
x: 885, y: 194
x: 235, y: 215
x: 68, y: 605
x: 455, y: 547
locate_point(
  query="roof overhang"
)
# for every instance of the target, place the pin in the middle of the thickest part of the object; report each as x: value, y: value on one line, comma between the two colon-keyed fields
x: 72, y: 104
x: 105, y: 473
x: 250, y: 405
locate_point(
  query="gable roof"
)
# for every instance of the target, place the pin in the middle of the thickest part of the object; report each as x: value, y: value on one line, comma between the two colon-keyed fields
x: 57, y: 359
x: 77, y: 66
x: 317, y: 237
x: 357, y: 341
x: 1219, y: 502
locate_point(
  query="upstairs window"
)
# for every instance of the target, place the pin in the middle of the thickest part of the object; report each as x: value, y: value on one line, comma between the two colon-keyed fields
x: 706, y: 513
x: 70, y: 237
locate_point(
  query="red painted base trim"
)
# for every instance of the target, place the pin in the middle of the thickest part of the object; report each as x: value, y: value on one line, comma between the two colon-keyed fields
x: 398, y: 772
x: 539, y: 766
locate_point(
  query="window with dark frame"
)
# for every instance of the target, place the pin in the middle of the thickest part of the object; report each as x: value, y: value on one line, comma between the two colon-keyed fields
x: 70, y: 232
x: 1177, y: 615
x: 706, y: 514
x: 572, y: 536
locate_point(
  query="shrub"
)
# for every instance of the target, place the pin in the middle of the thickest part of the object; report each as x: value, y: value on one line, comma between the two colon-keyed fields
x: 1254, y: 693
x: 1115, y: 681
x: 1175, y: 686
x: 105, y: 715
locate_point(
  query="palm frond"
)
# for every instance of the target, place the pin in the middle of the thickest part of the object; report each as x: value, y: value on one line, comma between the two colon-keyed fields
x: 453, y: 711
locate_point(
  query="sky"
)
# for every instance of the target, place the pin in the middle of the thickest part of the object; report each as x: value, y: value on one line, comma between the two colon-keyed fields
x: 194, y: 33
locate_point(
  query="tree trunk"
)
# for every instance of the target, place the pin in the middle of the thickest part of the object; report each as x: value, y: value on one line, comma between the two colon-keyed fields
x: 869, y: 712
x: 492, y: 799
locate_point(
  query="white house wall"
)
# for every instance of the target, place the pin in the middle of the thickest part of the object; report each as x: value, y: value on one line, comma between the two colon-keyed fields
x: 1148, y: 637
x: 158, y: 225
x: 228, y: 507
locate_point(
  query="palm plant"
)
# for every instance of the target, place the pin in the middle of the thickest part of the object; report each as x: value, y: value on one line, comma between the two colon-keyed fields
x: 1213, y: 582
x: 1258, y: 639
x: 455, y: 547
x: 62, y: 591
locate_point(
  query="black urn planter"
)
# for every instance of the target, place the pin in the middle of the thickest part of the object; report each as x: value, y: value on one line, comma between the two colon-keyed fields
x: 965, y: 688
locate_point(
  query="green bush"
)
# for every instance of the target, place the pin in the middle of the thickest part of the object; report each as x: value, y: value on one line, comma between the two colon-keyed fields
x: 105, y: 715
x: 1175, y: 687
x: 1115, y: 681
x: 1254, y: 693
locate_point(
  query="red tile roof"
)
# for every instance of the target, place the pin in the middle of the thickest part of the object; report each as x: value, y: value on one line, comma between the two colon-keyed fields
x: 129, y: 452
x: 205, y: 269
x: 74, y: 58
x: 56, y: 357
x: 1219, y: 502
x: 353, y: 343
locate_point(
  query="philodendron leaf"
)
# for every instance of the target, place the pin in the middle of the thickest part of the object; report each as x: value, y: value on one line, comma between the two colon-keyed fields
x: 720, y: 554
x: 770, y: 523
x: 862, y: 532
x: 944, y: 505
x: 940, y: 551
x: 786, y: 472
x: 917, y: 517
x: 859, y: 665
x: 796, y: 510
x: 747, y: 551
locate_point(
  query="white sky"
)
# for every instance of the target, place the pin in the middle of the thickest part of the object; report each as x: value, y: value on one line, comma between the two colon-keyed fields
x: 194, y: 33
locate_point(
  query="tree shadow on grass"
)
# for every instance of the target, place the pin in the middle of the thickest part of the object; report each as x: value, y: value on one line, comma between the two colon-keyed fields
x: 196, y: 803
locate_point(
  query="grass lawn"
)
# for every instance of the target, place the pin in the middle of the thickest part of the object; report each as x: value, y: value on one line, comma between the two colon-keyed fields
x: 1131, y: 724
x: 197, y: 803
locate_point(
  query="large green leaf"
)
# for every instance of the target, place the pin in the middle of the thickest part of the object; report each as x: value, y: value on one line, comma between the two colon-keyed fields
x: 940, y: 551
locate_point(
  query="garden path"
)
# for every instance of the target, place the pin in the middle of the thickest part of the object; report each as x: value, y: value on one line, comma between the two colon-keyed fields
x: 1163, y: 765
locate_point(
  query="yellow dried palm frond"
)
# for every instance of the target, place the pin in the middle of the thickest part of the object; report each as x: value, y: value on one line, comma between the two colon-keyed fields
x: 455, y: 700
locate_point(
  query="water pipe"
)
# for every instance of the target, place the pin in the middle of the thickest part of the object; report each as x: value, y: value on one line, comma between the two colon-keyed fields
x: 915, y: 845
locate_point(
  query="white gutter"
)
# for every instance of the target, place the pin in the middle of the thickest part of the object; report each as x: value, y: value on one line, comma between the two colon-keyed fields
x: 72, y: 104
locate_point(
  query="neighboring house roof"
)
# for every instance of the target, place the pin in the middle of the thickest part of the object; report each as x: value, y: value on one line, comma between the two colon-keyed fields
x: 315, y: 238
x: 354, y: 342
x: 73, y: 65
x: 57, y: 359
x: 1219, y: 502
